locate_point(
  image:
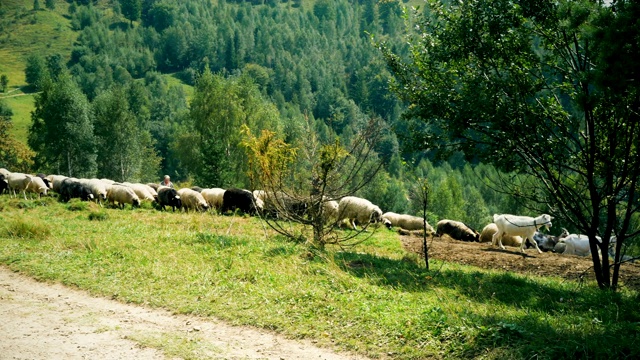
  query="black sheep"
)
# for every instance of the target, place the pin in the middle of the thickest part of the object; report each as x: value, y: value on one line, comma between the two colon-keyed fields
x: 70, y: 188
x: 169, y: 197
x: 240, y: 199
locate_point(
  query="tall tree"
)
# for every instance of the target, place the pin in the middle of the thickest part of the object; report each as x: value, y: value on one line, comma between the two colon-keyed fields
x: 131, y: 9
x: 118, y: 138
x: 546, y: 88
x: 61, y: 132
x: 219, y: 107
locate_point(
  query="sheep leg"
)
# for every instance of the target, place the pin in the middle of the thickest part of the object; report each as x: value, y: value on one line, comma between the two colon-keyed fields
x: 353, y: 223
x: 497, y: 240
x: 535, y: 243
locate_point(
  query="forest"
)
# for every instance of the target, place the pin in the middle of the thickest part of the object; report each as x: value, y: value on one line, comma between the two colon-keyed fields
x: 304, y: 69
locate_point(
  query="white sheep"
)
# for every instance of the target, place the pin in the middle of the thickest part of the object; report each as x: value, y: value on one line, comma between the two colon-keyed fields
x: 404, y: 221
x: 56, y: 181
x: 5, y: 172
x: 98, y: 188
x: 507, y: 240
x: 192, y: 200
x: 122, y: 195
x: 19, y: 182
x: 359, y: 210
x: 330, y: 210
x: 213, y: 197
x: 142, y: 191
x: 524, y: 226
x: 575, y: 244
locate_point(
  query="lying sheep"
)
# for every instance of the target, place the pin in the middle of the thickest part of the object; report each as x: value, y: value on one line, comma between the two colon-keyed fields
x: 169, y: 197
x: 358, y: 210
x: 192, y: 200
x: 507, y: 240
x: 456, y: 230
x: 404, y: 221
x: 122, y: 195
x: 213, y: 197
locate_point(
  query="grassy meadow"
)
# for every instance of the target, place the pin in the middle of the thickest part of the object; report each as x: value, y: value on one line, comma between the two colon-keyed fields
x: 374, y: 299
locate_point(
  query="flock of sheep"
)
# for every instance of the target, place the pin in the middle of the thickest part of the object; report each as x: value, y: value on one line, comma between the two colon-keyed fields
x: 349, y: 211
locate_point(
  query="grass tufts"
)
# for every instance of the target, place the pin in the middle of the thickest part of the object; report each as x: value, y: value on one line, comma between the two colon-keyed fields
x: 26, y: 229
x: 99, y: 215
x: 77, y: 205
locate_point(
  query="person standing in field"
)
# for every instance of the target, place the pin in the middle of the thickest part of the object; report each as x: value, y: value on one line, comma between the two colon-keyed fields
x: 167, y: 181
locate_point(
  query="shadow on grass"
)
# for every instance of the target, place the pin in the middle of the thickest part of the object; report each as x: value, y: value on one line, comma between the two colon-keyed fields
x: 481, y: 286
x: 597, y: 329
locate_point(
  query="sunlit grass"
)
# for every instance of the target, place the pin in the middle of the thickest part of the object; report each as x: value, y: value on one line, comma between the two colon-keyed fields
x: 373, y: 299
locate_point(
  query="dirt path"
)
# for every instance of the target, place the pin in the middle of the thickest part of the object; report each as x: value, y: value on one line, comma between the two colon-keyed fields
x: 45, y: 321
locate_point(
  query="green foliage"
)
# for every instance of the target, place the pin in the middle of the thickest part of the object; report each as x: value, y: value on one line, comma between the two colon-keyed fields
x: 500, y: 82
x: 99, y: 215
x: 219, y: 108
x: 62, y: 130
x: 131, y: 9
x: 13, y: 154
x: 36, y: 71
x: 4, y: 82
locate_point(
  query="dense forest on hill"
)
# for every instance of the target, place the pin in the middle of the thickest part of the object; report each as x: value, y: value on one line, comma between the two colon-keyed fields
x: 307, y: 70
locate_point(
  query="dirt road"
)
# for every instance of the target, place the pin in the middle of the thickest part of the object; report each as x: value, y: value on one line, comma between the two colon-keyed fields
x: 45, y: 321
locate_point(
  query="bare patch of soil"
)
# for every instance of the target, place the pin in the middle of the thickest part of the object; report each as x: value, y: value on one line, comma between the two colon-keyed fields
x: 486, y: 256
x: 45, y: 321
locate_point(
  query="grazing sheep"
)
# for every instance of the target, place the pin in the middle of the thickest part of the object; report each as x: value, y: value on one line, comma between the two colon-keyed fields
x: 507, y: 240
x: 456, y: 230
x: 98, y: 188
x: 4, y: 184
x: 19, y: 182
x: 154, y: 186
x: 108, y: 181
x: 141, y: 190
x: 45, y: 180
x: 197, y: 188
x: 213, y: 197
x: 169, y: 197
x: 358, y: 210
x: 122, y: 195
x: 404, y: 221
x: 524, y: 226
x: 71, y: 188
x: 239, y: 199
x: 55, y: 181
x: 192, y: 200
x: 330, y: 210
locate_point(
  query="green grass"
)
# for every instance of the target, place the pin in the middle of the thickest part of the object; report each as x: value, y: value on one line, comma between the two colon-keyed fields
x: 24, y: 31
x: 22, y: 106
x: 373, y: 299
